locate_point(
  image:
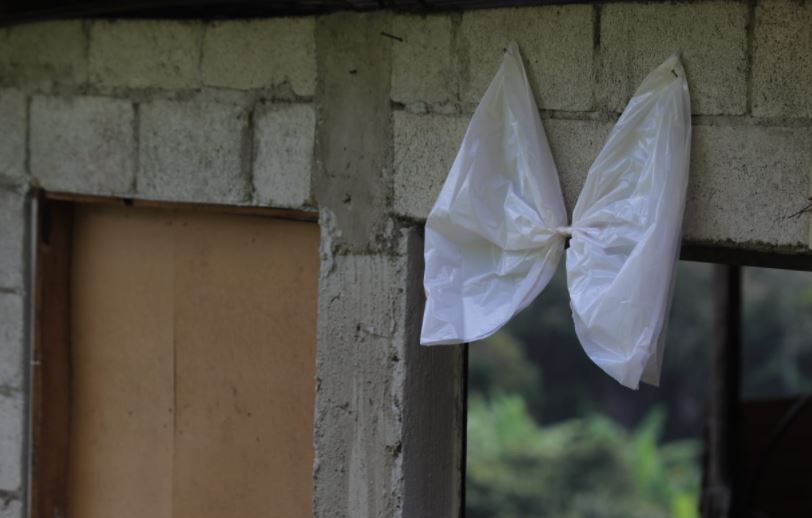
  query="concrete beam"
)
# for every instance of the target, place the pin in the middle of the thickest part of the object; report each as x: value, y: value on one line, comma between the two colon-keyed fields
x: 353, y: 175
x: 749, y: 186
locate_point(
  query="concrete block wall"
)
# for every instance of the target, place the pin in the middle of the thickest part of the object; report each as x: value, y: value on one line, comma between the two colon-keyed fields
x: 13, y: 350
x: 358, y: 117
x: 159, y: 109
x: 749, y: 70
x: 291, y: 113
x: 167, y: 110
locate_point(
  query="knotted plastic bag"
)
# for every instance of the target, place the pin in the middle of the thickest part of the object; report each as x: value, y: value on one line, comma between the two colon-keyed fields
x: 498, y: 228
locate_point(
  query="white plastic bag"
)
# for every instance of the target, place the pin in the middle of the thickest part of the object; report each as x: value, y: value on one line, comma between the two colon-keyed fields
x: 498, y: 228
x: 490, y: 243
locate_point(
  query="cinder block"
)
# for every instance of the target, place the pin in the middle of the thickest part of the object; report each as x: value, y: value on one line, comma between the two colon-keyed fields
x: 12, y: 128
x: 11, y: 441
x: 12, y: 232
x: 782, y: 59
x: 422, y: 69
x: 260, y: 54
x: 284, y: 136
x: 556, y: 43
x: 425, y: 147
x: 83, y: 144
x: 191, y: 151
x: 43, y: 53
x: 749, y: 185
x: 711, y: 37
x: 11, y: 509
x: 11, y: 340
x: 575, y: 145
x: 145, y: 53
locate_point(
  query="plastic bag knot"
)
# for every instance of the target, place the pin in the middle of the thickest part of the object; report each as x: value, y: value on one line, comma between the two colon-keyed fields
x: 563, y: 231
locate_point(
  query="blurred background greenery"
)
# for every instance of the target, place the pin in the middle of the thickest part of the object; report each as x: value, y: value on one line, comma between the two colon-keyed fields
x: 551, y: 435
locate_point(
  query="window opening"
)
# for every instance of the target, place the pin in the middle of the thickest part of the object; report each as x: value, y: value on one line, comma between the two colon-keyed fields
x: 549, y: 434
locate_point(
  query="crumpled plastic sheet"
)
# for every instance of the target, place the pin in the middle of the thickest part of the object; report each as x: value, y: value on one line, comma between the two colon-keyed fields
x: 499, y: 226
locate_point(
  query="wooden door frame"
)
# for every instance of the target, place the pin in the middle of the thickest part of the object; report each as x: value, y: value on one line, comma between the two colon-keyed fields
x: 51, y: 355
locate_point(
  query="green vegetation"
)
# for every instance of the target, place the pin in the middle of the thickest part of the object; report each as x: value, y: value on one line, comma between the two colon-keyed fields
x: 550, y: 435
x: 587, y: 467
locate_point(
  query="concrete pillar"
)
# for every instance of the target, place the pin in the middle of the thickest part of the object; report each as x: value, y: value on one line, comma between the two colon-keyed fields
x: 388, y: 427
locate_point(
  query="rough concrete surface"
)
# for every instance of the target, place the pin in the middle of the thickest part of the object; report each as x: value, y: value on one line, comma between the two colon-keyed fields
x: 353, y: 173
x: 425, y: 147
x: 138, y: 53
x: 388, y: 411
x: 782, y: 61
x: 11, y: 509
x: 239, y: 127
x: 260, y: 54
x: 747, y: 185
x: 575, y: 145
x: 83, y: 144
x: 193, y: 151
x: 711, y: 37
x: 283, y: 142
x: 11, y: 440
x: 422, y: 67
x: 359, y: 357
x: 556, y: 45
x: 12, y: 320
x: 756, y: 167
x: 43, y: 54
x: 12, y: 233
x: 13, y: 121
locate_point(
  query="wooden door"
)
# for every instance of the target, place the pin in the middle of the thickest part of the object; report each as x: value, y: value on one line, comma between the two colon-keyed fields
x: 192, y: 360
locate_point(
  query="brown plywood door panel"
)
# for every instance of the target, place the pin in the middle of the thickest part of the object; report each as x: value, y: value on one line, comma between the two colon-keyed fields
x: 246, y: 358
x: 193, y: 364
x: 122, y: 366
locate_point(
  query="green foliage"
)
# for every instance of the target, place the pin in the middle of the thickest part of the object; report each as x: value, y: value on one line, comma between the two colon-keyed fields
x: 550, y: 435
x: 580, y: 468
x: 667, y: 474
x: 499, y: 364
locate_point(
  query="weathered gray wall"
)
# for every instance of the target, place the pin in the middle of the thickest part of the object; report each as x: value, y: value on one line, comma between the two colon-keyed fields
x: 329, y: 114
x: 749, y: 66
